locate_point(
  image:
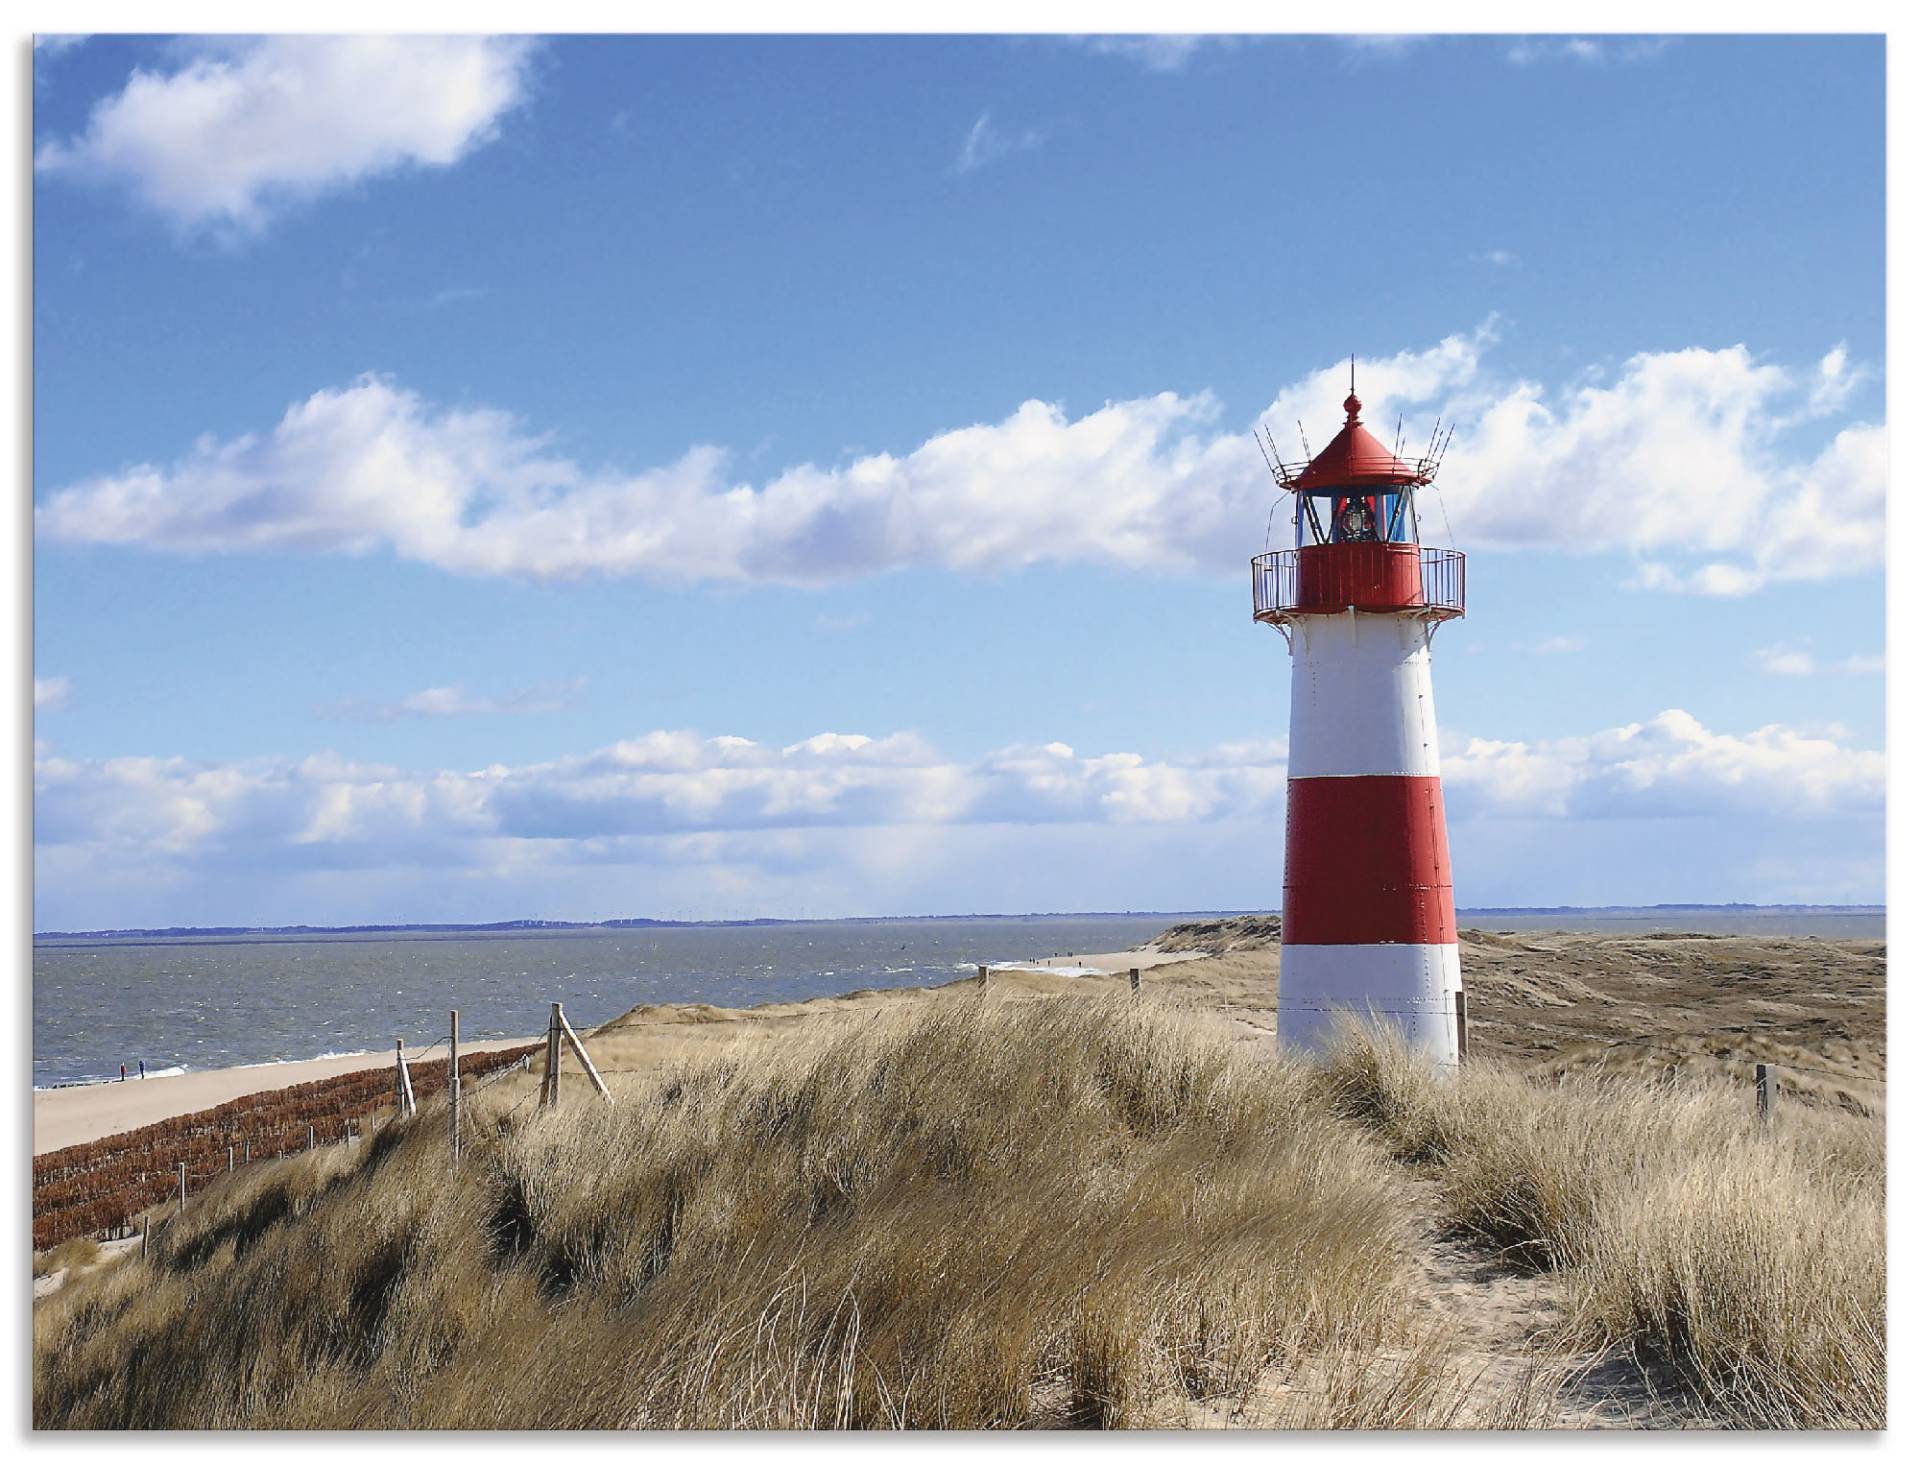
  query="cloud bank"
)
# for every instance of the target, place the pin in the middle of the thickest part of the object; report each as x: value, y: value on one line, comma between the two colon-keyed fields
x: 247, y: 126
x: 634, y: 801
x: 1683, y: 459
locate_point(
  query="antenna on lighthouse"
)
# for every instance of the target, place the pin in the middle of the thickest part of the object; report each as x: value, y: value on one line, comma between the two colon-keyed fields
x: 1270, y: 512
x: 1270, y: 452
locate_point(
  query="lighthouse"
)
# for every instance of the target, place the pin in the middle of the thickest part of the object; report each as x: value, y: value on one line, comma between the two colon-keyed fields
x: 1367, y: 908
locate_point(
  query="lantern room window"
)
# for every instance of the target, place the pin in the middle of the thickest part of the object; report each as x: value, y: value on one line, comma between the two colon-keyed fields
x: 1345, y: 516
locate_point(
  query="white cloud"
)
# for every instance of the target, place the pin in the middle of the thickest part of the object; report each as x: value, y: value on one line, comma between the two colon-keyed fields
x: 1153, y: 52
x: 1680, y: 454
x: 1383, y: 44
x: 1499, y: 258
x: 1669, y: 766
x: 444, y: 701
x: 987, y: 143
x: 1584, y: 49
x: 246, y: 126
x: 50, y: 692
x: 1789, y: 658
x: 1838, y: 379
x: 1796, y: 658
x: 1552, y: 645
x: 1677, y: 458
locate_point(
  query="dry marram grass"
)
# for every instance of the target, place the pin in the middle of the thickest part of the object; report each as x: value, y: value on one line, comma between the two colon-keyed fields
x: 994, y: 1210
x: 986, y: 1212
x: 1752, y: 1263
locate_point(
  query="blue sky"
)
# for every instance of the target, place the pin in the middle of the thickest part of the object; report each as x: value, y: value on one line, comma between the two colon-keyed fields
x: 723, y: 477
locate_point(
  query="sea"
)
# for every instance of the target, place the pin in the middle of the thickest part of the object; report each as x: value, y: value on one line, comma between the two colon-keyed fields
x: 195, y: 1002
x: 189, y: 1003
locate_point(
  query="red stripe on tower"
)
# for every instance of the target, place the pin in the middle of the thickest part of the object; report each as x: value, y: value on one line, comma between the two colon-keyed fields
x: 1367, y: 862
x: 1368, y: 920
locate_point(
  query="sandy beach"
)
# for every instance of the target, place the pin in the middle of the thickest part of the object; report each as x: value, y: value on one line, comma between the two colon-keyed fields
x: 63, y: 1116
x: 1117, y: 962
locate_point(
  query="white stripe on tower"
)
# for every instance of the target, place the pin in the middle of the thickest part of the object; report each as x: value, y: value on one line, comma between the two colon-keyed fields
x: 1368, y: 908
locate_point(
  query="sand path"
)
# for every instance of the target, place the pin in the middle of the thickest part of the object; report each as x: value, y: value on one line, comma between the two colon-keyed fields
x: 1508, y: 1328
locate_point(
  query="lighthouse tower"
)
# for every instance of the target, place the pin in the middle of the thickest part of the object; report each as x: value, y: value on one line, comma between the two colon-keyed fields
x: 1367, y: 912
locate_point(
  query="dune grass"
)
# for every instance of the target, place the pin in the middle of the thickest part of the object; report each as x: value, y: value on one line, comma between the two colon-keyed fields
x: 994, y: 1211
x: 1751, y: 1263
x: 985, y: 1213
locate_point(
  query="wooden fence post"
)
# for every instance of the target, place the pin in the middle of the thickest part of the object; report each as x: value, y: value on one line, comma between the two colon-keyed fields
x: 1133, y: 980
x: 402, y: 1080
x: 1766, y: 1085
x: 146, y: 1222
x: 1460, y: 1024
x: 183, y: 1188
x: 550, y: 1083
x: 248, y: 1150
x: 453, y: 1083
x: 580, y: 1051
x: 983, y: 975
x: 229, y: 1158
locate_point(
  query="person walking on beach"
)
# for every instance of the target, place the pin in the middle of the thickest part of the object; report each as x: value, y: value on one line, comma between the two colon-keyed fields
x: 123, y: 1071
x: 143, y: 1069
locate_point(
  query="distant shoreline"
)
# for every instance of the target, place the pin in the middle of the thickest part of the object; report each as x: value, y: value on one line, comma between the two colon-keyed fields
x: 245, y: 934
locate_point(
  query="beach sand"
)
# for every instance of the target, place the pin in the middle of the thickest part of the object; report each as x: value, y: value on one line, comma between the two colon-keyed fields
x: 1117, y: 962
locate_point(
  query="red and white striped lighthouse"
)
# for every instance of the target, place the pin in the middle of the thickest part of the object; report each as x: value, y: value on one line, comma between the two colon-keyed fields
x: 1367, y: 912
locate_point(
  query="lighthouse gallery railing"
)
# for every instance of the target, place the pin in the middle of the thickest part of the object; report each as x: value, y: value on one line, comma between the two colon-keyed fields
x: 1371, y: 577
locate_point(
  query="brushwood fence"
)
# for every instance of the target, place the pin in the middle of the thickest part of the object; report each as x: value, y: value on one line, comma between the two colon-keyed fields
x: 95, y: 1188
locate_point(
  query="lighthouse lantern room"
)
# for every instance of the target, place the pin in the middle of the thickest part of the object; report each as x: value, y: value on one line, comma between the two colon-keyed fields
x: 1367, y: 907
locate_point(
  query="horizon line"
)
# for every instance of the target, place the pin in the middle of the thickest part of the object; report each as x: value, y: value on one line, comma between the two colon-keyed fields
x: 652, y: 922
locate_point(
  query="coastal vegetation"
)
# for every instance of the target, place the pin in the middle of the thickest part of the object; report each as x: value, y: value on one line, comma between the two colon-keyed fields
x: 92, y: 1187
x: 1748, y: 1261
x: 1004, y: 1209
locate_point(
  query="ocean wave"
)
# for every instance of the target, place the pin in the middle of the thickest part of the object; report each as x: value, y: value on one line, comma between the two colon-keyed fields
x: 108, y: 1081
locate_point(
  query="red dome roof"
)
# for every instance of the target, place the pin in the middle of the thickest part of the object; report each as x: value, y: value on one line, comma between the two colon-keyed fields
x: 1355, y: 459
